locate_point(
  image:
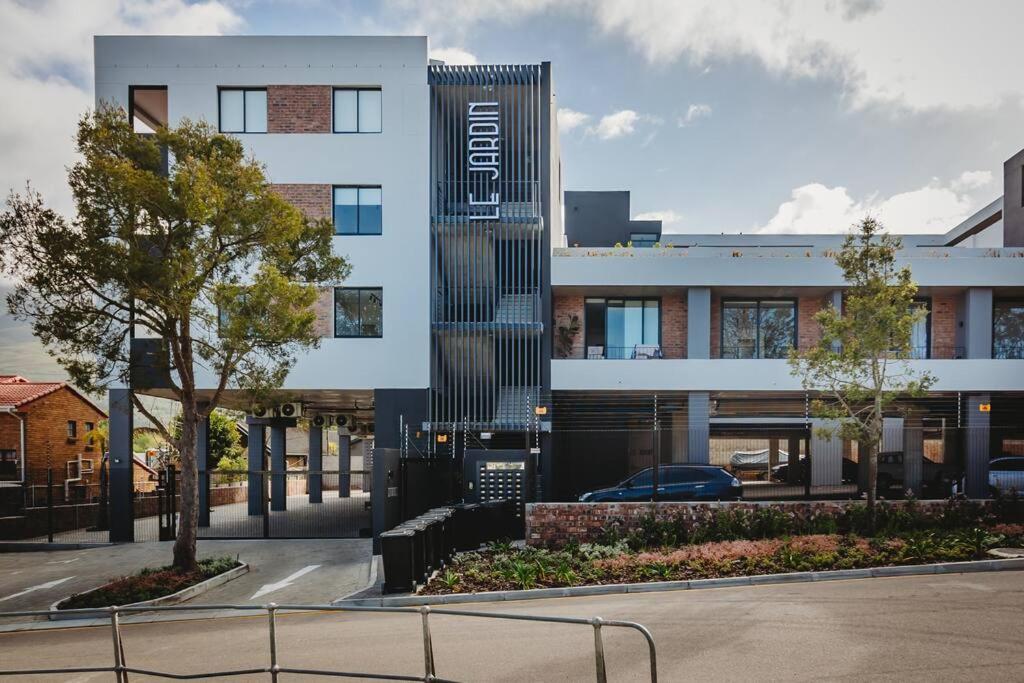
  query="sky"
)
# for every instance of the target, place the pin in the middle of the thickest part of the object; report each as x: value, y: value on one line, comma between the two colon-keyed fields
x: 719, y: 115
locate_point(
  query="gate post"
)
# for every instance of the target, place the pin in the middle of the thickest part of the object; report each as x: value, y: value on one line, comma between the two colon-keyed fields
x: 122, y: 512
x: 278, y: 467
x: 315, y: 467
x: 255, y: 466
x: 344, y: 463
x: 203, y: 465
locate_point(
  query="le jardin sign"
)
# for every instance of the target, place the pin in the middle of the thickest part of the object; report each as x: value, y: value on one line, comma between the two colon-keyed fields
x: 483, y: 151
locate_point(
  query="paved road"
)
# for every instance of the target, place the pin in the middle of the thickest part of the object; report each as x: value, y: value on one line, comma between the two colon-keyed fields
x: 959, y: 627
x: 341, y: 567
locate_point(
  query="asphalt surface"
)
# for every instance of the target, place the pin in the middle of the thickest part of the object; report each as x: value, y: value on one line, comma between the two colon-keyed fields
x: 327, y: 569
x: 955, y: 627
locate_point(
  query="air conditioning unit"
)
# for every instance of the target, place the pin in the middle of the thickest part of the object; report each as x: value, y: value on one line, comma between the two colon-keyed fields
x: 260, y: 411
x: 343, y: 420
x: 289, y: 410
x: 322, y: 420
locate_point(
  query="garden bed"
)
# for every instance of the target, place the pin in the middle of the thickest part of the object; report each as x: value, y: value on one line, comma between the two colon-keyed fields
x: 153, y: 586
x: 737, y: 543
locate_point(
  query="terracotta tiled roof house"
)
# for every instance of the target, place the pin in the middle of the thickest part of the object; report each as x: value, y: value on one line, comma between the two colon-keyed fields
x: 43, y: 425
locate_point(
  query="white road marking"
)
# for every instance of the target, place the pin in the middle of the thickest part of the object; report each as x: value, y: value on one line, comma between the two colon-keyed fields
x: 284, y: 583
x: 964, y: 584
x: 42, y: 586
x: 73, y: 559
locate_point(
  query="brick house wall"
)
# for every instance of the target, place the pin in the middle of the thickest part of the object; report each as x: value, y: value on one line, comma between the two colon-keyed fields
x: 943, y: 327
x: 563, y: 309
x: 46, y: 439
x: 673, y: 326
x: 299, y: 108
x: 716, y: 326
x: 314, y: 200
x: 808, y: 332
x: 324, y: 309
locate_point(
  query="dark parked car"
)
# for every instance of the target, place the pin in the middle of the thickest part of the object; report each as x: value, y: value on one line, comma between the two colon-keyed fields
x: 780, y: 473
x: 675, y: 482
x: 937, y: 480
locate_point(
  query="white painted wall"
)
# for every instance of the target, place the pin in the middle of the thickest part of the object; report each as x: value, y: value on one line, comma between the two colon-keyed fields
x: 397, y: 158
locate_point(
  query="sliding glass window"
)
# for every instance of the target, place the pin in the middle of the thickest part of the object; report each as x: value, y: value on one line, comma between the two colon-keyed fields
x: 358, y: 312
x: 357, y: 210
x: 1008, y: 329
x: 622, y: 328
x: 759, y: 328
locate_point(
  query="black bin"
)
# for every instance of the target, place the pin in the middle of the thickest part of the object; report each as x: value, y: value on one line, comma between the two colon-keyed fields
x: 420, y: 553
x: 397, y: 548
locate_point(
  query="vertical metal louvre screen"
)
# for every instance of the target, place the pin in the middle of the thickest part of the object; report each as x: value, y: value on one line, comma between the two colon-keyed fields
x: 486, y: 312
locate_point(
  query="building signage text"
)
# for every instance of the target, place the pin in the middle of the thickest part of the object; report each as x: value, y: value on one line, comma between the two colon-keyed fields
x: 484, y: 151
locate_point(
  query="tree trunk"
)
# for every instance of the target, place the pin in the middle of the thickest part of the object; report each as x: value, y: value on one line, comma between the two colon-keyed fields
x: 188, y: 522
x: 875, y: 442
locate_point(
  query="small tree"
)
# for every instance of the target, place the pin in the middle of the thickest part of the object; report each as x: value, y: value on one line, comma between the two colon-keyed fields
x: 222, y: 437
x: 198, y: 251
x: 858, y: 367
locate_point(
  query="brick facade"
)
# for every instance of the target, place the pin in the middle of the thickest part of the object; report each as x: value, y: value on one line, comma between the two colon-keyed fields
x: 673, y: 326
x: 299, y: 109
x: 564, y: 308
x: 552, y: 525
x: 943, y: 327
x: 46, y: 435
x: 716, y: 326
x: 314, y: 200
x: 324, y: 309
x: 808, y: 331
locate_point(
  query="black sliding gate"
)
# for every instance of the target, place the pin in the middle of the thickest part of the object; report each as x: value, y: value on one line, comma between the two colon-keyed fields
x: 291, y: 504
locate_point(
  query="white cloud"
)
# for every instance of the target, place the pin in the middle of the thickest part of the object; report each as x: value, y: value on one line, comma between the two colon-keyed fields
x: 917, y: 55
x: 453, y: 55
x: 616, y: 125
x: 934, y: 208
x: 970, y: 181
x: 667, y: 217
x: 694, y: 112
x: 569, y: 119
x: 46, y: 69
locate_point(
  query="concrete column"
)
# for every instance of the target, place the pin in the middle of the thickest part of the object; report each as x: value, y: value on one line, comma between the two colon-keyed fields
x: 278, y: 468
x: 344, y: 463
x: 257, y: 483
x: 119, y: 425
x: 203, y: 466
x: 699, y: 428
x: 977, y: 319
x: 827, y: 454
x: 315, y: 465
x: 913, y: 454
x: 793, y: 468
x: 977, y: 446
x: 698, y: 322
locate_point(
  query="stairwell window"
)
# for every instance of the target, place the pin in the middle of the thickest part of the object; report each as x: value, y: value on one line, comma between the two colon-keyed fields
x: 243, y: 110
x: 358, y: 312
x: 357, y: 110
x: 357, y: 210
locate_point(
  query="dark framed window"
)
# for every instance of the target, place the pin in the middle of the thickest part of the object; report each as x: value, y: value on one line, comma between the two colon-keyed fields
x: 1008, y: 328
x: 72, y: 429
x: 921, y: 332
x: 358, y: 312
x: 758, y: 328
x: 615, y: 328
x: 357, y: 210
x: 147, y: 107
x: 242, y: 110
x: 643, y: 239
x: 357, y: 110
x: 89, y: 426
x: 8, y: 455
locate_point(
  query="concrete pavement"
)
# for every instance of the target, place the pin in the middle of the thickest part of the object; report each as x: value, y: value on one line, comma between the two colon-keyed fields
x: 948, y: 627
x: 300, y: 571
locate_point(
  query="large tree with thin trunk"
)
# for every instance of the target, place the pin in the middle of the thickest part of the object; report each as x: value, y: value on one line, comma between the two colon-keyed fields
x: 859, y: 368
x: 179, y: 236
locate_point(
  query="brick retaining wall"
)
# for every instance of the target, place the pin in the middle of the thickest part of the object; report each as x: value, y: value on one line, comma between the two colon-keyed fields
x: 552, y: 525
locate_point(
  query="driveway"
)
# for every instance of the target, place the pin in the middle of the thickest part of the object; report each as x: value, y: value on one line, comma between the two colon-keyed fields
x: 926, y: 628
x: 297, y: 571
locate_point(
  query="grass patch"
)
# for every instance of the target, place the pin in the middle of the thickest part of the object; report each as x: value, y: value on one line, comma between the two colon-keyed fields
x: 149, y: 584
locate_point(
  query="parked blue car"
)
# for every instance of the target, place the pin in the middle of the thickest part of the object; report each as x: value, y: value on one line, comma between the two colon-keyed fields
x: 675, y: 482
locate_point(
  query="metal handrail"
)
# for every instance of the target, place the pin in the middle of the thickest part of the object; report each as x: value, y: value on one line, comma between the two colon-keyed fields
x: 121, y: 669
